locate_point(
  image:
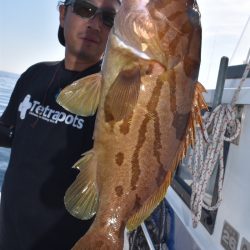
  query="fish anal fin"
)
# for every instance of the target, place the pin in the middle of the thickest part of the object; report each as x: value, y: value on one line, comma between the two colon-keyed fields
x: 148, y: 207
x: 123, y: 94
x: 82, y: 96
x: 81, y: 199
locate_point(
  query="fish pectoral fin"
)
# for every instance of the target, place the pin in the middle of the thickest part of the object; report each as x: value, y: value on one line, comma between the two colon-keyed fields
x: 150, y: 204
x: 82, y: 96
x: 81, y: 199
x: 123, y: 94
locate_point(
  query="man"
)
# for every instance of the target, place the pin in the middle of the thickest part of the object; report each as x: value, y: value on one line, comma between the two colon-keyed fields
x: 46, y: 139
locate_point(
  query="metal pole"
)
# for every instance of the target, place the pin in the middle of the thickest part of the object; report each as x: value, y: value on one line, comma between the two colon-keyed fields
x: 217, y: 101
x: 220, y: 82
x: 147, y: 236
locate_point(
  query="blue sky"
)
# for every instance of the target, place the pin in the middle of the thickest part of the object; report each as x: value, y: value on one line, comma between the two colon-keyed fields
x: 28, y: 34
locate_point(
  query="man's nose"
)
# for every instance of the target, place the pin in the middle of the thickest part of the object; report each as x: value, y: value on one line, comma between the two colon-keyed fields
x: 95, y: 22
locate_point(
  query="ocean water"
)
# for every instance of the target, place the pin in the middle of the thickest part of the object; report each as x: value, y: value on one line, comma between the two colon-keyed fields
x: 7, y: 83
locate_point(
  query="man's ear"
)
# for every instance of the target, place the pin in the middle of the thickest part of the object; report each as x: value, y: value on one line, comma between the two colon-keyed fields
x: 62, y: 12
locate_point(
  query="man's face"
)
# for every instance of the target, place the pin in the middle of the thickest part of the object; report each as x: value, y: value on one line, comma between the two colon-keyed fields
x: 85, y: 38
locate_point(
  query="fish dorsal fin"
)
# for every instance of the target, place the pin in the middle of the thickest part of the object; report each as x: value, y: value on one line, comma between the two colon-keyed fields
x: 194, y: 120
x: 148, y: 207
x: 81, y: 199
x: 123, y: 94
x: 82, y: 96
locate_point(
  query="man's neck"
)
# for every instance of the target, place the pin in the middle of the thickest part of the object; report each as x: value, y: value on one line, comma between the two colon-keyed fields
x: 77, y: 65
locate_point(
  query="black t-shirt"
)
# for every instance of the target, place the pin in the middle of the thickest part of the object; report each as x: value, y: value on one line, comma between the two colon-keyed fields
x: 47, y: 141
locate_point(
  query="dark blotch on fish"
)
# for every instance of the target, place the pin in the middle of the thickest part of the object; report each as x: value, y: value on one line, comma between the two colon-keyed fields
x: 137, y: 204
x: 119, y: 191
x: 119, y: 158
x: 108, y: 116
x: 180, y: 123
x: 125, y: 126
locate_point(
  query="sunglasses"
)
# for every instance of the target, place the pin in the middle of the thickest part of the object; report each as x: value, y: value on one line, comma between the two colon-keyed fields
x: 87, y: 10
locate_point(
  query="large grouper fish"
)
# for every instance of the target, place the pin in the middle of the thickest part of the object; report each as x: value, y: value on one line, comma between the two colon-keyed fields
x: 149, y: 103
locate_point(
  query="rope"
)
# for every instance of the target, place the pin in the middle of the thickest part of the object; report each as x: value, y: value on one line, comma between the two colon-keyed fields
x: 208, y: 151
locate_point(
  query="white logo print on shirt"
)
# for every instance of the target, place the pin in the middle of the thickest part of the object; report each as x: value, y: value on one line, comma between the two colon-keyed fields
x: 46, y: 113
x: 24, y: 106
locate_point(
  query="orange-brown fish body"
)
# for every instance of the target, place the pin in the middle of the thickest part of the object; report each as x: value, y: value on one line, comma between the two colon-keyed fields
x: 145, y: 118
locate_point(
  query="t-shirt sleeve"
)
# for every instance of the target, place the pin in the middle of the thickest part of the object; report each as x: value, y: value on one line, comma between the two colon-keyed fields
x: 9, y: 115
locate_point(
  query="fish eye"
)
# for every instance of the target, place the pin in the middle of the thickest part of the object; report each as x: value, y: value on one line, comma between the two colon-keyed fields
x: 194, y: 16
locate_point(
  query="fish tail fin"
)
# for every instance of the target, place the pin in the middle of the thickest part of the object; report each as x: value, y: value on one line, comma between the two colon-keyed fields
x: 81, y: 197
x: 96, y: 240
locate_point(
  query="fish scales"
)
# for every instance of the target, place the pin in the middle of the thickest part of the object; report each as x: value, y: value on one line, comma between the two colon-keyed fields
x: 148, y: 107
